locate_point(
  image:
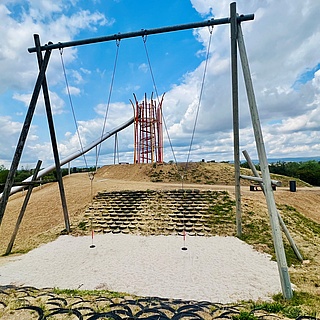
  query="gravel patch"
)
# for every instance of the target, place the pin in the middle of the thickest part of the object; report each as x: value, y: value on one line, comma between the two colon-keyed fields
x: 215, y: 269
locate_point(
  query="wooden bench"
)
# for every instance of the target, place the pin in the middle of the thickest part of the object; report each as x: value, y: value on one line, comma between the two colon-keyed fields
x: 257, y: 187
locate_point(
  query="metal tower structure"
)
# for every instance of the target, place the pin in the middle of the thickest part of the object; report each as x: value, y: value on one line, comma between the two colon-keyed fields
x: 148, y: 133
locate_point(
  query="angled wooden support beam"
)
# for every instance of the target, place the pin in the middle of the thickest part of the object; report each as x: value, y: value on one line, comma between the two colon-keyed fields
x: 23, y: 208
x: 53, y: 136
x: 272, y: 210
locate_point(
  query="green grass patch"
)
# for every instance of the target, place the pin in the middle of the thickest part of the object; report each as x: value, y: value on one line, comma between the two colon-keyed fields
x: 82, y: 225
x: 256, y: 232
x: 244, y: 315
x: 300, y: 219
x: 221, y: 208
x: 301, y: 304
x: 279, y: 307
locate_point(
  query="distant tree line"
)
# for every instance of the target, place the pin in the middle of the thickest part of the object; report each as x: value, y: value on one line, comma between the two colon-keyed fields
x: 308, y: 171
x: 25, y: 173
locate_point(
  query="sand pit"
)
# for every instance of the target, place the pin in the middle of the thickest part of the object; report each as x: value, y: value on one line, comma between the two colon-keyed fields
x: 216, y: 269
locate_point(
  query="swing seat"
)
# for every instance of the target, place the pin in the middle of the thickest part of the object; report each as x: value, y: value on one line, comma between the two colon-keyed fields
x: 255, y: 187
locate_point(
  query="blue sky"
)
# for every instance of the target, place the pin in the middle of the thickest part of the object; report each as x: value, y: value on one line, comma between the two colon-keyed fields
x: 282, y: 44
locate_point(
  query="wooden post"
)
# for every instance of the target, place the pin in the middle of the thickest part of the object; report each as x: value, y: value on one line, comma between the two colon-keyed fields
x: 53, y: 137
x: 283, y: 225
x: 23, y: 135
x: 274, y: 221
x: 116, y: 149
x: 23, y: 208
x: 235, y: 108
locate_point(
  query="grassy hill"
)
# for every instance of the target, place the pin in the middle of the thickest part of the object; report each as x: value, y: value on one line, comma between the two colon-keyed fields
x: 194, y: 172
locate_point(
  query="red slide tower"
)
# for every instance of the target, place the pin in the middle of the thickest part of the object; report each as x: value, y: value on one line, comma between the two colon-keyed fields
x: 148, y: 133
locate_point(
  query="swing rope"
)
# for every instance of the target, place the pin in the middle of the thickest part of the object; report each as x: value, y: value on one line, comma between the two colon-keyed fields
x: 195, y: 122
x: 144, y: 38
x: 200, y: 97
x: 108, y: 102
x: 184, y: 171
x: 71, y: 105
x: 91, y: 174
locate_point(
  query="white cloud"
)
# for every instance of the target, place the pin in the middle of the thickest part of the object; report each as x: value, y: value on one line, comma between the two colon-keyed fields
x: 316, y: 81
x: 143, y: 67
x: 57, y: 104
x: 74, y: 91
x: 18, y: 67
x: 83, y: 19
x: 78, y: 77
x: 280, y: 50
x: 90, y: 130
x: 42, y: 8
x: 10, y: 132
x: 55, y: 21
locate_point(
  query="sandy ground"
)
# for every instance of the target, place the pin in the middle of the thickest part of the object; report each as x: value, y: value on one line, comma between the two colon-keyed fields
x: 216, y: 269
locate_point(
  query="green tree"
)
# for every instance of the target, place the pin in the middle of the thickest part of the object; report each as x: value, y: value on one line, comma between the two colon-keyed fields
x: 3, y: 176
x: 310, y: 172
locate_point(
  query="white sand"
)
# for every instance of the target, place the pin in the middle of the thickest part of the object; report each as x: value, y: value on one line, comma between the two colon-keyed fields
x: 216, y: 269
